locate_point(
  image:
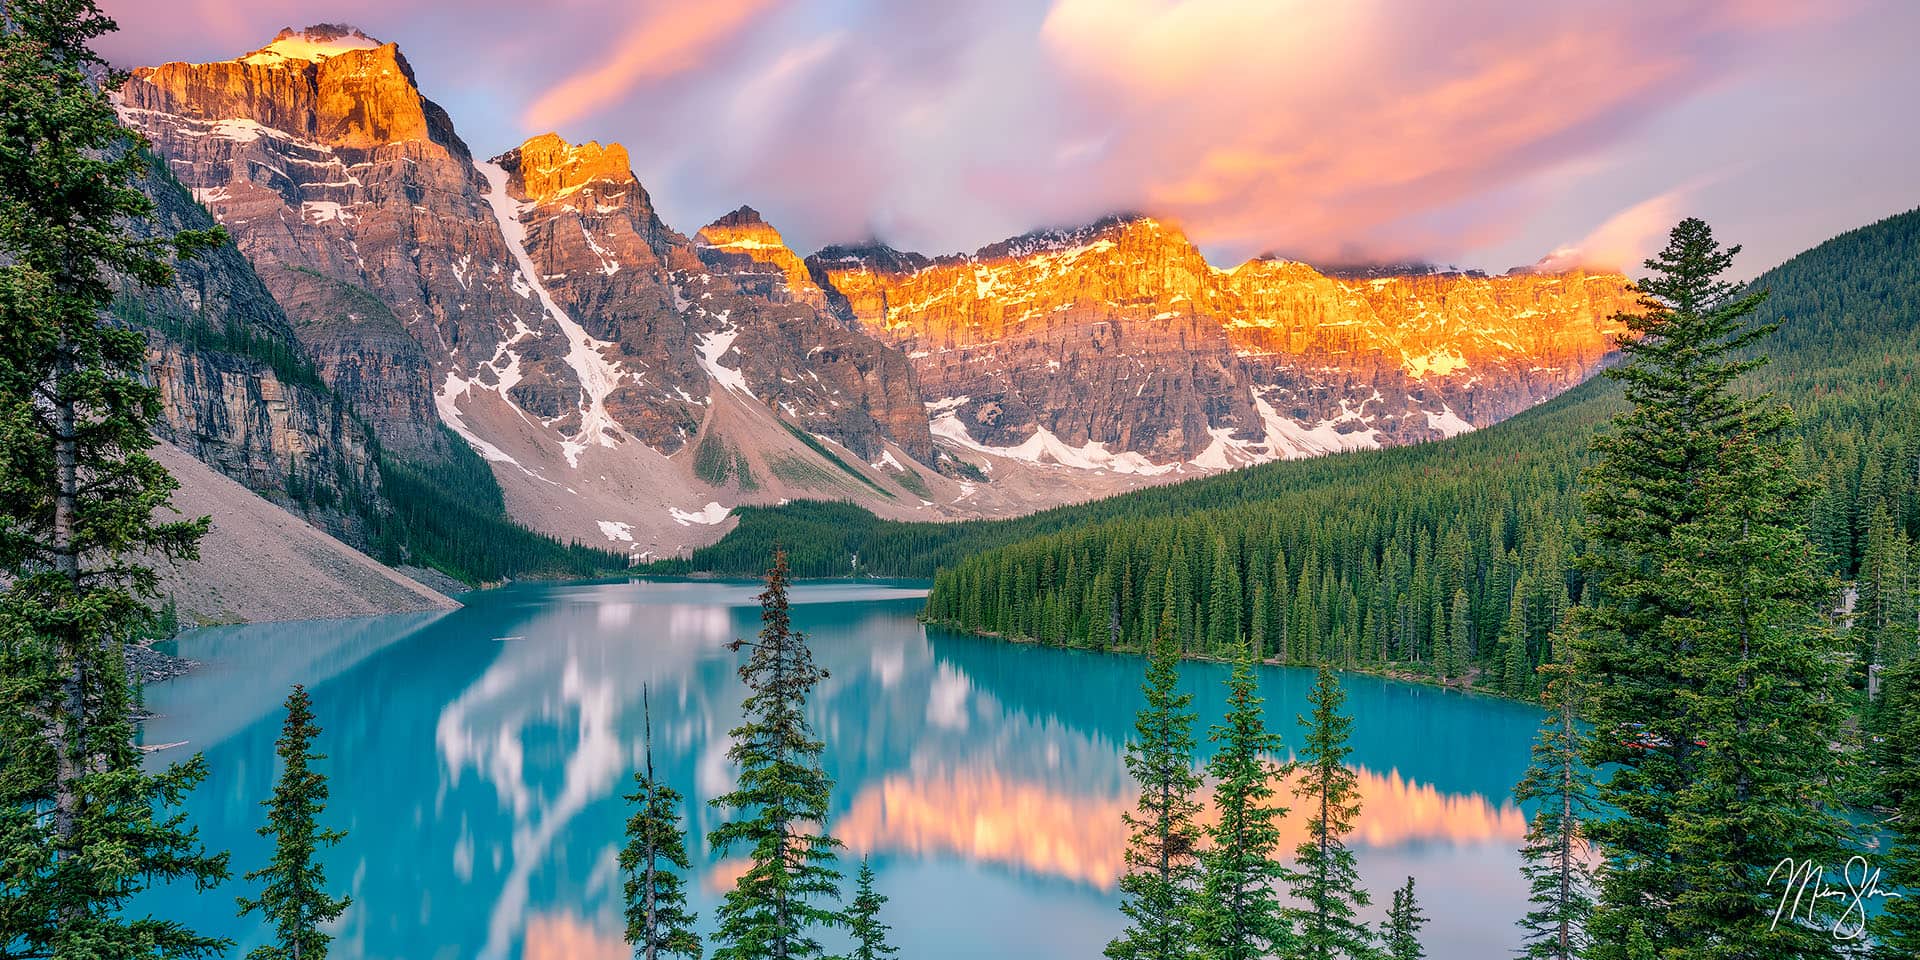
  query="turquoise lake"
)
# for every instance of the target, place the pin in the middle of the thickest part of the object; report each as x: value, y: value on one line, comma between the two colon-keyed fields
x: 478, y: 757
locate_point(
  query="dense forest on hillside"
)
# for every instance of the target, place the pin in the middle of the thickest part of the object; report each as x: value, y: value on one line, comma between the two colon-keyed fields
x: 1451, y: 554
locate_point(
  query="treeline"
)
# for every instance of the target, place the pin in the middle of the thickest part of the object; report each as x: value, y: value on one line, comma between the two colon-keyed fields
x: 1457, y: 557
x: 450, y: 516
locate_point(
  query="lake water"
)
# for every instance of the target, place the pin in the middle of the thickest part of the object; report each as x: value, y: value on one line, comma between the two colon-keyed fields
x: 478, y: 757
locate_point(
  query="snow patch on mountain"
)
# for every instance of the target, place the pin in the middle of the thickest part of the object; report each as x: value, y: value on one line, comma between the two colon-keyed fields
x: 710, y: 514
x: 598, y: 376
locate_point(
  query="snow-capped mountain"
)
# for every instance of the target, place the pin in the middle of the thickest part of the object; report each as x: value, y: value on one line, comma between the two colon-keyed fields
x: 630, y: 385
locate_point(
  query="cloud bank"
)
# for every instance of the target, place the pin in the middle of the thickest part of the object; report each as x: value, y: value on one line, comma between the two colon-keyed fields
x: 1487, y: 129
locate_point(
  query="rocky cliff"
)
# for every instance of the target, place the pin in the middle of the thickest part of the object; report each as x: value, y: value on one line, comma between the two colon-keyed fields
x: 1118, y: 346
x: 359, y: 206
x: 630, y: 385
x: 236, y: 388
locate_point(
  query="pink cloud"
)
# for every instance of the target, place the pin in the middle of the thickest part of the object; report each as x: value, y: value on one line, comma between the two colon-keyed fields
x: 666, y: 41
x: 1626, y: 238
x: 1357, y: 119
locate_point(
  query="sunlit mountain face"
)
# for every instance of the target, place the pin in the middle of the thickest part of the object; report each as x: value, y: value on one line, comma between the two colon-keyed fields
x: 478, y: 761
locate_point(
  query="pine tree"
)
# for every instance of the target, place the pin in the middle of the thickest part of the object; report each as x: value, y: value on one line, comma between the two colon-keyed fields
x: 1884, y: 614
x: 1458, y: 637
x: 1238, y: 916
x: 293, y: 895
x: 1706, y: 668
x: 863, y: 919
x: 1896, y: 932
x: 1223, y: 616
x: 1401, y: 933
x: 659, y: 924
x: 778, y: 811
x: 1557, y: 876
x: 1516, y: 676
x: 1325, y: 881
x: 83, y: 827
x: 1162, y: 871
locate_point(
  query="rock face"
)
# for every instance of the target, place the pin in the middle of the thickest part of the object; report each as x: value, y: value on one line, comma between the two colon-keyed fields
x: 735, y: 309
x: 236, y: 389
x: 631, y: 384
x: 359, y: 206
x: 1119, y: 346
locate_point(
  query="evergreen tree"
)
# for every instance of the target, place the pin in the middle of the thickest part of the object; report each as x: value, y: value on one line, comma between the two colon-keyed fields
x: 778, y: 810
x: 659, y: 924
x: 1708, y: 673
x: 293, y: 895
x: 1557, y: 876
x: 1516, y: 676
x: 1325, y: 882
x: 1162, y: 872
x: 1239, y: 916
x: 863, y: 919
x: 1884, y: 614
x: 1401, y: 933
x: 1897, y: 931
x: 83, y: 827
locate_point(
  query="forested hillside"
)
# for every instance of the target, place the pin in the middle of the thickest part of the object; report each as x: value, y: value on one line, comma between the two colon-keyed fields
x: 1450, y: 554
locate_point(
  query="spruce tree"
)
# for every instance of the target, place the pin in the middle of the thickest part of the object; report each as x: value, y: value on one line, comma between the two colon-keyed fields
x: 293, y: 896
x: 659, y: 924
x: 1712, y: 684
x: 778, y: 810
x: 1401, y: 933
x: 83, y: 827
x: 1162, y: 872
x: 1557, y: 875
x: 1239, y: 915
x: 1896, y: 931
x: 1325, y: 882
x: 863, y: 919
x: 1516, y: 677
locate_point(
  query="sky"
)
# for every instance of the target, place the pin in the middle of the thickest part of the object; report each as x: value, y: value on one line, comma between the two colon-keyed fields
x: 1484, y: 133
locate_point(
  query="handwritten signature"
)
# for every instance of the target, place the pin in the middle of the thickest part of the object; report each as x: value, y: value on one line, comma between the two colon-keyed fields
x: 1804, y: 886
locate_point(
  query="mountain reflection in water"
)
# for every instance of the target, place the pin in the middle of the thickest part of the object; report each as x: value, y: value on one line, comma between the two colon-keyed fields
x: 478, y: 761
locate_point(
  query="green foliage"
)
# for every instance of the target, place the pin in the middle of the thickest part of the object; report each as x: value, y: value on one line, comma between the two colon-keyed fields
x: 83, y: 827
x: 293, y: 896
x: 778, y: 810
x: 1325, y: 882
x: 1401, y: 932
x: 1162, y: 872
x: 813, y: 443
x: 1239, y: 916
x: 659, y: 924
x: 863, y: 919
x: 450, y: 516
x: 911, y: 481
x: 716, y: 461
x: 200, y: 334
x: 1704, y: 664
x: 1897, y: 931
x: 1558, y: 875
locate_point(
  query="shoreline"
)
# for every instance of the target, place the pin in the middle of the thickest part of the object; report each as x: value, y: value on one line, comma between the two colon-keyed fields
x: 1384, y: 672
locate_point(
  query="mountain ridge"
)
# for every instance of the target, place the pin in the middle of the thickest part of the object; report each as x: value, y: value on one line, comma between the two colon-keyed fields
x: 620, y: 377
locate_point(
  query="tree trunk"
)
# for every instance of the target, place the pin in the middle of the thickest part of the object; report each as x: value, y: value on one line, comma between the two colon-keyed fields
x: 69, y: 722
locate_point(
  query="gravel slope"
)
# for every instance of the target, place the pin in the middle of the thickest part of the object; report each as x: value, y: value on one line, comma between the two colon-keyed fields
x: 260, y: 562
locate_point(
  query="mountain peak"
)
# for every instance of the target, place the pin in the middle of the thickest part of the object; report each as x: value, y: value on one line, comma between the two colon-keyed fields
x: 743, y: 228
x: 745, y: 216
x: 549, y: 167
x: 313, y: 44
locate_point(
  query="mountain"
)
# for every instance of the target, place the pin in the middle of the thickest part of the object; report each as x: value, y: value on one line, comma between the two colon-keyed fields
x: 1119, y: 346
x: 1485, y: 514
x: 630, y: 386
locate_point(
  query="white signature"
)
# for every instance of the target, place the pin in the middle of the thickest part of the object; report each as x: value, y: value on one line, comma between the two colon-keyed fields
x: 1804, y: 885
